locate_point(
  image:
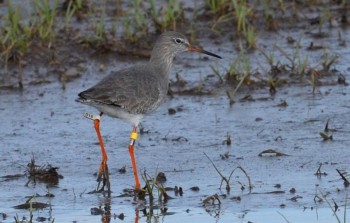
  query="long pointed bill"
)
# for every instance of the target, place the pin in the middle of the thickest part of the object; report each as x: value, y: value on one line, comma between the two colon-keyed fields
x: 195, y: 49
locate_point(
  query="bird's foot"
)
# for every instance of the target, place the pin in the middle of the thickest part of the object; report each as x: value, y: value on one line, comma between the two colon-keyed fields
x: 103, y: 176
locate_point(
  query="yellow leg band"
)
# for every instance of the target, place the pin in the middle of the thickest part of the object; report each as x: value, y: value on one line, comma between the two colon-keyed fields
x: 133, y: 135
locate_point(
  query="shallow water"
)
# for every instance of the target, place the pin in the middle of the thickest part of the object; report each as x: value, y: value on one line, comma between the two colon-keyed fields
x: 51, y: 127
x: 44, y: 121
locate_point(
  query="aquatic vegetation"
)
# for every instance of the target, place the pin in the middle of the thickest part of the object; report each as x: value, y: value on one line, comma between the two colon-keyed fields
x: 134, y: 24
x: 227, y: 179
x: 251, y: 37
x: 15, y: 36
x: 242, y: 12
x: 218, y: 8
x: 152, y: 184
x: 167, y: 16
x: 45, y: 20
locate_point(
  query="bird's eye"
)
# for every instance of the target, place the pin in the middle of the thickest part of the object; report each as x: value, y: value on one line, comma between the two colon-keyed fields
x: 178, y: 40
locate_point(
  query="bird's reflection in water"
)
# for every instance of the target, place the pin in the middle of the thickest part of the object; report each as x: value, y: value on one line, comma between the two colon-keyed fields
x: 104, y: 208
x: 214, y: 211
x: 137, y: 216
x: 152, y: 215
x: 106, y: 217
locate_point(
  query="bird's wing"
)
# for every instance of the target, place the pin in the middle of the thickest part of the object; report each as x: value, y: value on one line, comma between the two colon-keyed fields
x: 134, y: 89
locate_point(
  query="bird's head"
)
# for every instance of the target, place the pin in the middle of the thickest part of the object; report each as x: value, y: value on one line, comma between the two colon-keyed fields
x: 171, y: 43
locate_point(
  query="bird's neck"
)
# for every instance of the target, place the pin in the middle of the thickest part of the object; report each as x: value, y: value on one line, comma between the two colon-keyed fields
x: 162, y: 59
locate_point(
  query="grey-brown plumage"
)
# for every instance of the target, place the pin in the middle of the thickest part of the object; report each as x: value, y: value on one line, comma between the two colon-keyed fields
x: 130, y: 93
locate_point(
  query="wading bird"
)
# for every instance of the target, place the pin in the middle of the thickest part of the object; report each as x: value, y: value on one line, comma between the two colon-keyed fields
x: 131, y: 93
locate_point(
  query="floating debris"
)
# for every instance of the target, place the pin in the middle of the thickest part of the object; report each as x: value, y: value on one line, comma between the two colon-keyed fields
x: 171, y: 111
x: 44, y: 173
x: 96, y: 211
x: 178, y: 191
x: 271, y: 152
x: 180, y: 139
x: 336, y: 206
x: 228, y: 140
x: 247, y: 98
x: 120, y: 216
x: 258, y: 119
x: 290, y: 40
x: 12, y: 177
x: 42, y: 219
x: 282, y: 104
x: 295, y: 198
x: 312, y: 46
x: 122, y: 170
x: 342, y: 175
x: 34, y: 205
x: 271, y: 192
x: 319, y: 173
x: 326, y: 137
x: 277, y: 185
x: 210, y: 200
x: 236, y: 198
x: 318, y: 199
x: 342, y: 80
x: 226, y: 155
x: 326, y: 129
x: 195, y: 188
x: 161, y: 178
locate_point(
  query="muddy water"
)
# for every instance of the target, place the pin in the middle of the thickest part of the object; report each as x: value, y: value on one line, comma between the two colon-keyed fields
x: 45, y: 122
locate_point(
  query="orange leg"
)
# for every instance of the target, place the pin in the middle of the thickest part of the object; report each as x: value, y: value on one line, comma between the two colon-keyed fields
x: 103, y: 150
x: 137, y: 216
x: 133, y: 138
x: 103, y: 172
